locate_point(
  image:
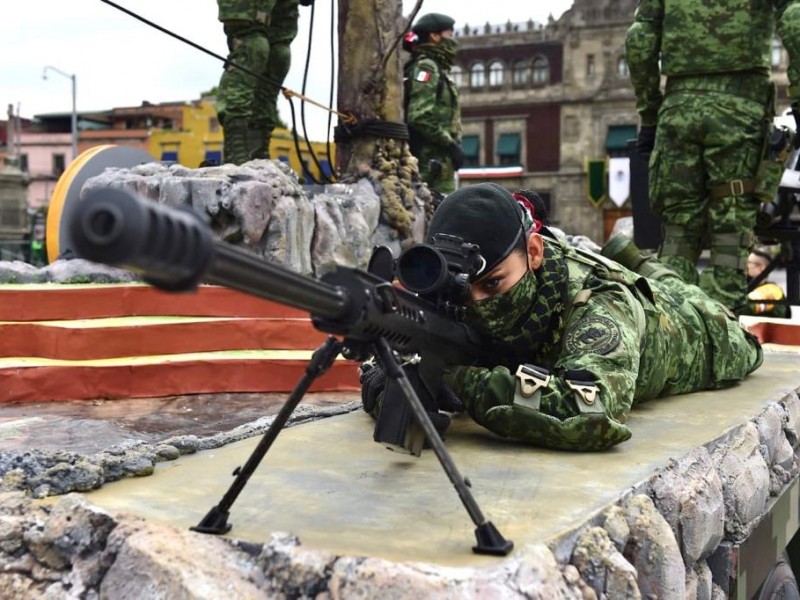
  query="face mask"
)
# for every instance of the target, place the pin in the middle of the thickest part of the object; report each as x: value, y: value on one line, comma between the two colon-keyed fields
x: 501, y: 315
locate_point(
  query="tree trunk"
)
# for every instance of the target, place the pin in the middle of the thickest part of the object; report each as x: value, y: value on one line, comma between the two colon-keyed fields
x: 370, y: 89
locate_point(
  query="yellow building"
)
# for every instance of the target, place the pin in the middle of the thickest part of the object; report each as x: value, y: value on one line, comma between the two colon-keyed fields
x: 199, y: 139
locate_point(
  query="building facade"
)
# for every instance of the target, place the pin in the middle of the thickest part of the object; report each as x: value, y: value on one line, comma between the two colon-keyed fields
x: 555, y: 99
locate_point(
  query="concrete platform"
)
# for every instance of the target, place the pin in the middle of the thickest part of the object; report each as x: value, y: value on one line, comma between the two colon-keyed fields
x: 334, y: 488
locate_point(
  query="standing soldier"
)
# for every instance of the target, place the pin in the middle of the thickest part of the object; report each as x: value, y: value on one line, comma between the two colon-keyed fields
x: 260, y: 33
x: 712, y: 124
x: 432, y: 110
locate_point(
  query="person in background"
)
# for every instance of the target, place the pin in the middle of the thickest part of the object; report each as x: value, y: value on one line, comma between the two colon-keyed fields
x: 259, y: 35
x: 432, y: 109
x: 767, y: 298
x: 708, y: 131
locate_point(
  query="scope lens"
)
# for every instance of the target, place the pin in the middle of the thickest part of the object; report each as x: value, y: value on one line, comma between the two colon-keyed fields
x: 422, y: 269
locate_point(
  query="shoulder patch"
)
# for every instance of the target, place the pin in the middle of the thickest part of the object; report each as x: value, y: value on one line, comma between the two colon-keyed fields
x: 423, y: 76
x: 594, y: 334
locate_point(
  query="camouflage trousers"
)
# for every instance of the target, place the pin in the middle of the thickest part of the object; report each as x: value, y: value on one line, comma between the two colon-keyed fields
x: 436, y: 169
x: 709, y: 144
x: 262, y: 48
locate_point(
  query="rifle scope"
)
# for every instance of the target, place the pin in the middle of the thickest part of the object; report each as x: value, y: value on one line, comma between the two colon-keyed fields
x: 173, y: 249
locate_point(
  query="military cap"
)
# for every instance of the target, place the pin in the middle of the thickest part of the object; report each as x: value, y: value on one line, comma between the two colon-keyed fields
x: 485, y: 214
x: 432, y: 23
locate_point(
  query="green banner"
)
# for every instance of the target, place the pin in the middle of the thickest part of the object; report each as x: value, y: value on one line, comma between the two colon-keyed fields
x: 596, y: 181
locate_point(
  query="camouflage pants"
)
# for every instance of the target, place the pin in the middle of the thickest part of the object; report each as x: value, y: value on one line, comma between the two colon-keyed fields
x: 262, y: 48
x: 711, y: 133
x: 439, y: 178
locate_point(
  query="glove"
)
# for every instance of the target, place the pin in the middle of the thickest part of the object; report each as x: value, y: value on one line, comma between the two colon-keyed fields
x: 456, y: 155
x: 306, y: 2
x: 646, y: 139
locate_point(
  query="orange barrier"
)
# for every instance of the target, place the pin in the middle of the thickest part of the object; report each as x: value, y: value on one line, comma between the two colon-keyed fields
x: 131, y: 341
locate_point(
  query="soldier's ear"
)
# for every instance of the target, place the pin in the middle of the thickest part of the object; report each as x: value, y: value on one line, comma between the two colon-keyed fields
x: 535, y: 251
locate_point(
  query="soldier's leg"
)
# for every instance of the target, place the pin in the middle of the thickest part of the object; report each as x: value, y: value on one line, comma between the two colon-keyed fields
x: 732, y: 159
x: 677, y: 190
x: 281, y: 32
x: 249, y: 48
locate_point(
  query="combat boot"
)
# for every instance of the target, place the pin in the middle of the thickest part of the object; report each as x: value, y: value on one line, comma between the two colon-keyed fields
x: 258, y: 138
x: 234, y: 146
x: 623, y: 250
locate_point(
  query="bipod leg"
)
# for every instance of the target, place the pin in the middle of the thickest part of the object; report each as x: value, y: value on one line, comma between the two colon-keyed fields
x: 490, y: 540
x: 216, y: 521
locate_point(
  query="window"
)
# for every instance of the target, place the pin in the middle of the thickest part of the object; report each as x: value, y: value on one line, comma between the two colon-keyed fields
x: 477, y: 76
x: 590, y: 66
x: 508, y: 146
x: 541, y: 70
x: 212, y: 157
x: 169, y: 156
x: 458, y: 76
x: 496, y: 74
x: 521, y: 73
x: 471, y: 146
x: 777, y: 52
x: 617, y: 139
x: 58, y: 164
x: 213, y: 124
x: 23, y: 163
x: 622, y: 67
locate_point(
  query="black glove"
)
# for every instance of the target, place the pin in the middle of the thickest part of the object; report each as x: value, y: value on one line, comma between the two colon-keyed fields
x: 456, y: 155
x: 646, y: 139
x: 306, y: 2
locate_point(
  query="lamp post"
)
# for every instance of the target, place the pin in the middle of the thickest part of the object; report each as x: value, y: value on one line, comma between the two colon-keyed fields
x: 74, y: 111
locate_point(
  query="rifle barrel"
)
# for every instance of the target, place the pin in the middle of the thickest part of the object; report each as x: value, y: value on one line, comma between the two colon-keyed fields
x: 173, y: 249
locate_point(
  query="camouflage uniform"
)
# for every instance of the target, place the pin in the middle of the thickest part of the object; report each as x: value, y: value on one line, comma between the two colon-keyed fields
x: 712, y: 124
x: 433, y: 114
x: 616, y: 339
x: 259, y: 33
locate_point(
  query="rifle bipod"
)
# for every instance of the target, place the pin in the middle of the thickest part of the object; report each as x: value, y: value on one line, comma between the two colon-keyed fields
x: 489, y: 539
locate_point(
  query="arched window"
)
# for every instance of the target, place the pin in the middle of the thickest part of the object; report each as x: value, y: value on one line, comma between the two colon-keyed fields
x: 458, y: 76
x: 622, y: 67
x: 541, y: 70
x: 496, y: 71
x: 477, y: 76
x: 521, y: 73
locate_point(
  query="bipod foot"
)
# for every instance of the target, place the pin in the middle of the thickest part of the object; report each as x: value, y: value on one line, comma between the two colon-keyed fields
x: 216, y: 521
x: 491, y: 541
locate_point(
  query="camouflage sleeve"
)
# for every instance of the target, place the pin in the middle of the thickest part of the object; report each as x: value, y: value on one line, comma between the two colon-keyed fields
x: 642, y: 52
x: 565, y: 411
x: 788, y: 28
x: 423, y: 114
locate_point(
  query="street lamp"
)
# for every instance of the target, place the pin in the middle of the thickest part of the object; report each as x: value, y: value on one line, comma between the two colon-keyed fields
x: 74, y: 111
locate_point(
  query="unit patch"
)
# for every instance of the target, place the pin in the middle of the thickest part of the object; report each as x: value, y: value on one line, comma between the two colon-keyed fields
x: 595, y: 334
x: 424, y: 76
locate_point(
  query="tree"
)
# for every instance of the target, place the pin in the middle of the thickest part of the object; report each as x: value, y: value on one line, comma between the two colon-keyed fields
x: 370, y: 89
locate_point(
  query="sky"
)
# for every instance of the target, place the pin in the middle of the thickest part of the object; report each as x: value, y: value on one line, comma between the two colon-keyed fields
x: 119, y: 61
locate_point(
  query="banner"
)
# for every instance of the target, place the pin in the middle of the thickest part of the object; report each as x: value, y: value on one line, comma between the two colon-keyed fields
x: 619, y: 180
x: 596, y: 181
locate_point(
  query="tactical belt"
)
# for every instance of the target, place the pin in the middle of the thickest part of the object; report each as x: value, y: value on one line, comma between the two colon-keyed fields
x: 733, y: 188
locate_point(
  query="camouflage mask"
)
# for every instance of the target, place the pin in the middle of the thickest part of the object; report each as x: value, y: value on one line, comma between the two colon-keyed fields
x: 524, y: 323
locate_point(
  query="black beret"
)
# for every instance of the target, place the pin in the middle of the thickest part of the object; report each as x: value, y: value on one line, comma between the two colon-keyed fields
x: 433, y: 23
x: 485, y: 214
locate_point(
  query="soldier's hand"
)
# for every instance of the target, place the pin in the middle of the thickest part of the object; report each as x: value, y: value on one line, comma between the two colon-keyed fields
x: 456, y: 155
x: 646, y: 139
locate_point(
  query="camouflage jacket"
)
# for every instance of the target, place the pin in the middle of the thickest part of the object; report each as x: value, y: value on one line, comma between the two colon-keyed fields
x: 691, y: 37
x: 625, y: 339
x: 432, y: 106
